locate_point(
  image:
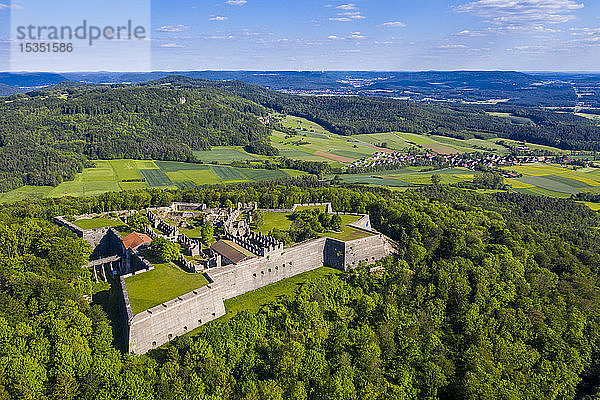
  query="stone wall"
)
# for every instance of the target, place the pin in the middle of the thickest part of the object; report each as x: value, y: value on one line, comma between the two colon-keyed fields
x: 155, y: 327
x: 262, y: 271
x: 158, y: 325
x: 366, y: 250
x: 125, y: 313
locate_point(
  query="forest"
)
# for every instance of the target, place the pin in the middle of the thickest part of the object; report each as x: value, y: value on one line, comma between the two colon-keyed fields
x: 46, y: 137
x: 492, y: 296
x: 349, y: 115
x: 49, y: 135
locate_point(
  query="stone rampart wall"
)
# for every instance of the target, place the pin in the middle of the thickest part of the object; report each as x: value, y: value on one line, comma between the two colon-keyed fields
x: 158, y: 325
x: 262, y: 271
x: 366, y: 250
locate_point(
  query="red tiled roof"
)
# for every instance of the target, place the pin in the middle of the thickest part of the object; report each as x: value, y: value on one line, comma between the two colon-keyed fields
x: 135, y: 240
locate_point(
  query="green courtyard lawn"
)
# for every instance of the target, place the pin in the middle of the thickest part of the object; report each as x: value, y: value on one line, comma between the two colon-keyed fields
x: 165, y: 282
x: 282, y: 221
x: 348, y: 233
x: 96, y: 223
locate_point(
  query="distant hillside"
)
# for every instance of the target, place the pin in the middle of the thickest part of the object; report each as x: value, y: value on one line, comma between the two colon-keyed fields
x: 515, y: 88
x: 30, y: 80
x: 356, y: 115
x: 6, y: 90
x: 46, y: 136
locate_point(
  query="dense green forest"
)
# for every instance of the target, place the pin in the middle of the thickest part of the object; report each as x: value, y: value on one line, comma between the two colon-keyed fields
x: 493, y: 296
x: 49, y: 135
x: 46, y: 137
x: 348, y: 115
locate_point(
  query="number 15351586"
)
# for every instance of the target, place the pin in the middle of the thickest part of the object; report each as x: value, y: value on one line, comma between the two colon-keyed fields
x: 42, y: 47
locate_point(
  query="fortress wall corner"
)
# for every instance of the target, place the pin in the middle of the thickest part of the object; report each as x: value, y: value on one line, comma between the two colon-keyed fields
x: 262, y: 271
x: 157, y: 326
x: 365, y: 250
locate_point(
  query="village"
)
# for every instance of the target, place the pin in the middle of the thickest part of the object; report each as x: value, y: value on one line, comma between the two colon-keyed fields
x: 471, y: 161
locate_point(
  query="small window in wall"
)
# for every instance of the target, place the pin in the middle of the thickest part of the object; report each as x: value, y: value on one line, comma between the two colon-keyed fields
x: 254, y: 275
x: 199, y: 321
x: 170, y: 336
x: 262, y: 272
x: 185, y: 328
x: 153, y: 344
x: 276, y: 267
x: 269, y: 269
x: 213, y: 314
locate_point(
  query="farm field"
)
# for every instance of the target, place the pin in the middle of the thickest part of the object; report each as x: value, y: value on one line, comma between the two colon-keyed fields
x: 514, y: 118
x: 315, y: 143
x: 554, y: 150
x: 118, y: 175
x: 537, y: 179
x: 410, y: 176
x: 224, y: 155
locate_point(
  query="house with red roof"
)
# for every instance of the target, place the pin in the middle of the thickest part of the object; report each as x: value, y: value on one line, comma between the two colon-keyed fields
x: 136, y: 240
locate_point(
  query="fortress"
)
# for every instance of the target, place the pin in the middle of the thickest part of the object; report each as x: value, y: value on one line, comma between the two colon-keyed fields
x: 242, y: 261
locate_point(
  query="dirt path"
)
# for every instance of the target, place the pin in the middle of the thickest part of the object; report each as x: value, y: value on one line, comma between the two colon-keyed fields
x: 333, y: 157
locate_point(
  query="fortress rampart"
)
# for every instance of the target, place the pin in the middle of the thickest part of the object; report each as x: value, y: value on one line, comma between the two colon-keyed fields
x: 158, y: 325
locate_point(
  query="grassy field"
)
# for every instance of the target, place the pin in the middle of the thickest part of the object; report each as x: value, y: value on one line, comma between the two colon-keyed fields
x: 348, y: 233
x: 410, y: 176
x: 254, y: 300
x: 96, y: 223
x: 156, y: 178
x: 281, y: 220
x: 165, y: 282
x: 555, y: 181
x: 224, y: 155
x: 537, y: 179
x: 117, y: 175
x: 515, y: 119
x: 314, y: 143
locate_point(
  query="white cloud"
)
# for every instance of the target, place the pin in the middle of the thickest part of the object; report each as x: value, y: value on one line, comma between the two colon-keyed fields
x: 471, y: 33
x: 350, y: 6
x: 352, y: 15
x: 172, y: 45
x: 353, y: 35
x: 10, y: 7
x: 218, y: 18
x: 348, y: 12
x: 172, y: 28
x: 394, y: 24
x: 236, y: 2
x: 522, y: 12
x: 452, y: 46
x: 224, y: 37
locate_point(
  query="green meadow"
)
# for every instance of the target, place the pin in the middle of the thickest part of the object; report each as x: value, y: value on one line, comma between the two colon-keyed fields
x: 537, y: 179
x: 118, y: 175
x: 165, y: 282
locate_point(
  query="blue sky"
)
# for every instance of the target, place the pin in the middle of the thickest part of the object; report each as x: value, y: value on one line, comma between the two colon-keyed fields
x: 524, y: 35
